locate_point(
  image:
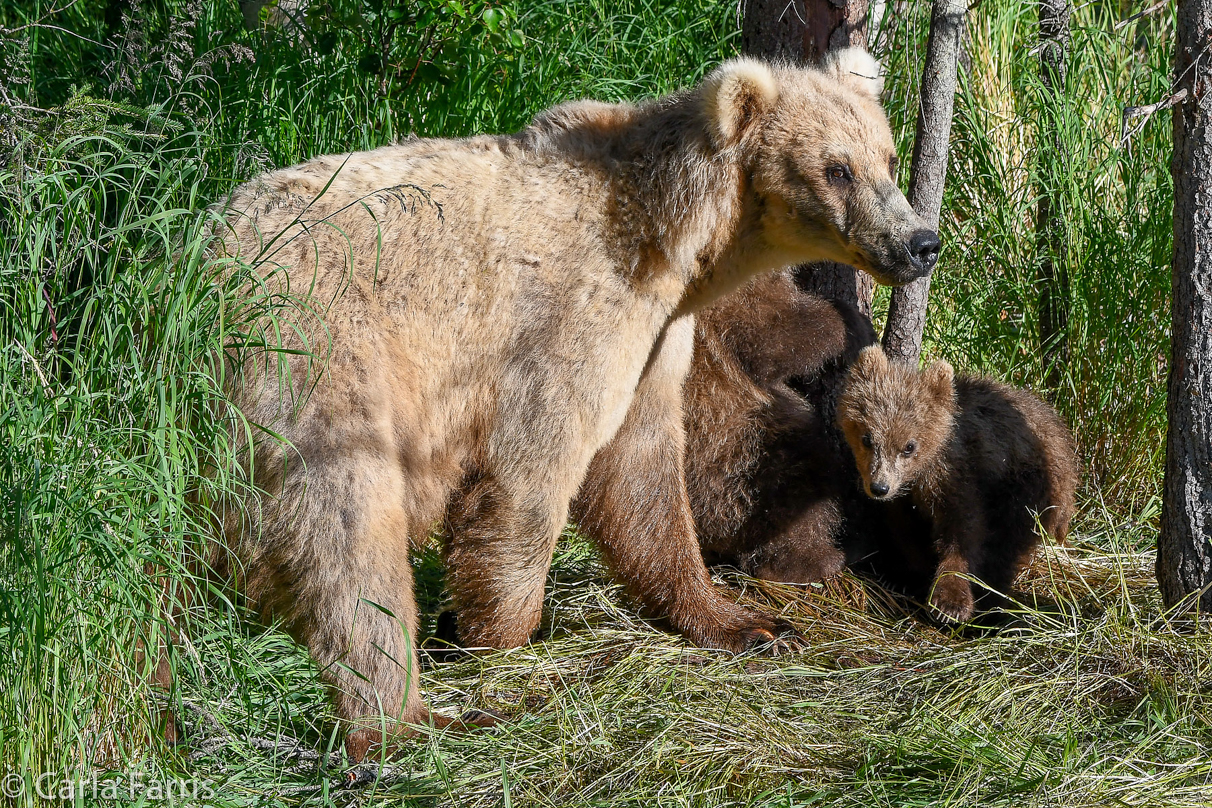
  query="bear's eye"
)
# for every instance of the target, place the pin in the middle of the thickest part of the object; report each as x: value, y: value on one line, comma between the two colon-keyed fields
x: 839, y: 174
x: 867, y: 440
x: 909, y: 449
x: 893, y: 162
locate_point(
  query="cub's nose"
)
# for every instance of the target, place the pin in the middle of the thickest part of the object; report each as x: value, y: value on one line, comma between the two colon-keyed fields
x: 879, y: 489
x: 923, y: 249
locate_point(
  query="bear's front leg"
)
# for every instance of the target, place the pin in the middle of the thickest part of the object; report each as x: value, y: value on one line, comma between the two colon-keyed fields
x: 959, y: 533
x: 634, y: 505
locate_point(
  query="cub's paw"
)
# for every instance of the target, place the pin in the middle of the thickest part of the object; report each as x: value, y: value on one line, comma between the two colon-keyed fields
x: 479, y: 718
x: 952, y: 599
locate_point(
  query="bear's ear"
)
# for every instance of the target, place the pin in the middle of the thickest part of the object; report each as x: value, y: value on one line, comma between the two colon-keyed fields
x: 872, y: 358
x: 940, y: 381
x: 857, y: 69
x: 735, y: 95
x: 871, y: 362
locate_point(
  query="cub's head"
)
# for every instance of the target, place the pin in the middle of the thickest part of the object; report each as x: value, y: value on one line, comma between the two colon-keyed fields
x: 820, y: 162
x: 895, y: 418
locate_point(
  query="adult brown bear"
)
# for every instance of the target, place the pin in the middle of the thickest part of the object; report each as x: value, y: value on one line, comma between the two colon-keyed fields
x: 498, y: 313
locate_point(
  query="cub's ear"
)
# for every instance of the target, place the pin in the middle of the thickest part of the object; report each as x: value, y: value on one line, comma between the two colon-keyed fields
x: 940, y: 380
x: 856, y: 69
x: 871, y: 360
x: 735, y: 95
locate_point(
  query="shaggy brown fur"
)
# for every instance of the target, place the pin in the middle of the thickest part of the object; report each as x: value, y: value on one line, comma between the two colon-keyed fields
x: 503, y: 311
x: 771, y: 482
x: 980, y: 459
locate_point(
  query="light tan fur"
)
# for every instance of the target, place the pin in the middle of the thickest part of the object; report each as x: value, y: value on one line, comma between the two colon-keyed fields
x: 858, y: 67
x: 497, y: 311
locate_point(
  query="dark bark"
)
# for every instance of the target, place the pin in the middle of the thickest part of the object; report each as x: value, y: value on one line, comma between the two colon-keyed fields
x: 833, y: 24
x: 251, y: 10
x: 804, y: 31
x: 773, y: 29
x: 907, y: 309
x: 1051, y: 232
x: 1184, y: 549
x: 840, y: 282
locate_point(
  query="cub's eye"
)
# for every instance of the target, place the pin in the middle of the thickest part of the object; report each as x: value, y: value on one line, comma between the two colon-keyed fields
x: 893, y: 162
x: 909, y: 449
x: 867, y: 440
x: 839, y: 174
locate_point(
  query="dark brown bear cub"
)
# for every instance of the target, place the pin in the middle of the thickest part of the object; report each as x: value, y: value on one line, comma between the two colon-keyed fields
x: 770, y: 481
x: 981, y: 459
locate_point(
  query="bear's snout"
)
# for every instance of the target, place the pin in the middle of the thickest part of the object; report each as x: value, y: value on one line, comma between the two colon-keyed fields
x: 879, y: 489
x: 923, y: 248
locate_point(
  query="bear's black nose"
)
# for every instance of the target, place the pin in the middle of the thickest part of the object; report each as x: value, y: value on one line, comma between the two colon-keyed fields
x: 879, y: 489
x: 923, y: 249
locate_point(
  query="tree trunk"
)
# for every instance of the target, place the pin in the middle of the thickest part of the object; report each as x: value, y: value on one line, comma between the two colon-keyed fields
x: 773, y: 29
x: 1051, y: 232
x: 833, y: 24
x: 804, y: 31
x: 1184, y: 548
x: 907, y: 310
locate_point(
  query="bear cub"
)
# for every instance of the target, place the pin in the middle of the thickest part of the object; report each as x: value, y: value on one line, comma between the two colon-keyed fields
x: 982, y: 460
x: 770, y: 479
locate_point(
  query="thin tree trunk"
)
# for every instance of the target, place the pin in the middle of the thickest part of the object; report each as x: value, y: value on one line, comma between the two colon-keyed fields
x: 804, y: 31
x: 1184, y: 548
x: 907, y: 310
x: 1051, y: 233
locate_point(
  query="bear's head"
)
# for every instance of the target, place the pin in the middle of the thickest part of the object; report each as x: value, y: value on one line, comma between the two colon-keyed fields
x: 818, y: 152
x: 895, y: 419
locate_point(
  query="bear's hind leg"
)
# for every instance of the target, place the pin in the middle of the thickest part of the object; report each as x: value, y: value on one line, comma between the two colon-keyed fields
x: 361, y: 633
x: 334, y: 566
x: 499, y: 545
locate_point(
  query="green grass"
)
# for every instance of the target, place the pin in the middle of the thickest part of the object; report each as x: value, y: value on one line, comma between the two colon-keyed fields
x: 1118, y: 206
x: 114, y: 327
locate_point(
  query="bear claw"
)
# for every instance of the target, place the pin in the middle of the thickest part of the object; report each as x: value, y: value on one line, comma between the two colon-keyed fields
x: 781, y: 637
x: 480, y: 717
x: 952, y: 601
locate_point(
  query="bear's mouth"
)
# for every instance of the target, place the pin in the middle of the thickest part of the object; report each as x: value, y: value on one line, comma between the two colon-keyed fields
x: 895, y: 265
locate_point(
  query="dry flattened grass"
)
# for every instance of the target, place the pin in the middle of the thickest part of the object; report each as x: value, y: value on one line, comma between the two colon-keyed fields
x: 1085, y: 698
